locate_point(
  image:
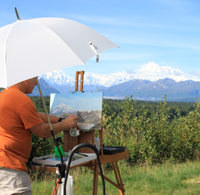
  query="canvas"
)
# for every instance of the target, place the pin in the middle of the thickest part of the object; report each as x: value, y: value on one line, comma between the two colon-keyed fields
x: 86, y: 106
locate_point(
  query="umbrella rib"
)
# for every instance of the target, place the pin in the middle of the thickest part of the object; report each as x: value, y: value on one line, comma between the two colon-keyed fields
x: 5, y: 55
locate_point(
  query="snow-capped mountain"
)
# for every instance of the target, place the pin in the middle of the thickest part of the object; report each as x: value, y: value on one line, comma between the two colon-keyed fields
x: 62, y: 109
x: 153, y: 72
x: 58, y: 77
x: 150, y: 71
x: 107, y: 80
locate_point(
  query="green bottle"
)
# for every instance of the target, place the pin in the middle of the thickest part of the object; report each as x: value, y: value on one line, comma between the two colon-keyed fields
x: 57, y: 152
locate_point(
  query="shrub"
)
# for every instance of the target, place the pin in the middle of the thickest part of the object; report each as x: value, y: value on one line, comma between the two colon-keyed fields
x: 153, y: 138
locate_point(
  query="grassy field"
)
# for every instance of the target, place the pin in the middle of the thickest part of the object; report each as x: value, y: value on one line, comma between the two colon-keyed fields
x: 168, y: 178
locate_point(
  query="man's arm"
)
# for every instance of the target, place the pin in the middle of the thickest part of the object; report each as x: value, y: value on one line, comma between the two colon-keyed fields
x: 43, y: 130
x: 43, y: 116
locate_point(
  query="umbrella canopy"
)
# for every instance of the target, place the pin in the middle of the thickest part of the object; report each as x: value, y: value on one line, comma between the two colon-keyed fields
x: 29, y: 48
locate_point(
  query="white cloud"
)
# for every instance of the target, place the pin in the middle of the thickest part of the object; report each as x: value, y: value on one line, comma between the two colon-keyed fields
x: 152, y: 71
x: 177, y: 4
x: 156, y: 40
x: 118, y: 21
x: 99, y: 19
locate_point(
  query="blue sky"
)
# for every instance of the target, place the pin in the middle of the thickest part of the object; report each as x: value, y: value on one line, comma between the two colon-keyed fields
x: 162, y: 31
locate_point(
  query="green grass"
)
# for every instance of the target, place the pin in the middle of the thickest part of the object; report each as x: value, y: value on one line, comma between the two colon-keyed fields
x: 43, y: 187
x: 168, y: 178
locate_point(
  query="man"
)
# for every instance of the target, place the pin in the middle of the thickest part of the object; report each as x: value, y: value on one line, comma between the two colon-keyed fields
x: 18, y: 120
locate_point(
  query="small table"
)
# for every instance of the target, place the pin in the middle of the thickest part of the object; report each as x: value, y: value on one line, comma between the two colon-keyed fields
x: 92, y: 165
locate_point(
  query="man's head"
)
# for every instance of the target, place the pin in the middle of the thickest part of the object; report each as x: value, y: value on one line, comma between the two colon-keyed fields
x: 30, y: 85
x: 27, y: 86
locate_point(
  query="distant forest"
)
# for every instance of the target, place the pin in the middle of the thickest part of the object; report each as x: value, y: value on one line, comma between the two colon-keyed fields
x: 151, y: 106
x: 116, y: 106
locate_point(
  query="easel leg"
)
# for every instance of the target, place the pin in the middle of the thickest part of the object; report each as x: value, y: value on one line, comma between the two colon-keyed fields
x: 95, y: 180
x: 118, y: 178
x: 55, y: 190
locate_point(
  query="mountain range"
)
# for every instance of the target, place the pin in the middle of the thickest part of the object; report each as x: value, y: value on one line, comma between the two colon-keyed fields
x: 176, y: 85
x: 146, y: 90
x: 45, y: 88
x: 140, y: 89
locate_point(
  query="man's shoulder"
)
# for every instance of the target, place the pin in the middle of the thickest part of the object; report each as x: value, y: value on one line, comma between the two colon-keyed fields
x: 14, y: 94
x: 14, y: 91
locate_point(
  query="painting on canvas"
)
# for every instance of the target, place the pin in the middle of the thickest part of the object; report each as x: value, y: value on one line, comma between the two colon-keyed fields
x: 86, y: 106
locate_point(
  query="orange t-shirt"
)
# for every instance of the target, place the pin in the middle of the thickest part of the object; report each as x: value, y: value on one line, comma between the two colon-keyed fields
x: 17, y: 115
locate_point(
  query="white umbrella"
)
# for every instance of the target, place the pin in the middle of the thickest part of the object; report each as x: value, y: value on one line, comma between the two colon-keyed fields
x: 29, y: 48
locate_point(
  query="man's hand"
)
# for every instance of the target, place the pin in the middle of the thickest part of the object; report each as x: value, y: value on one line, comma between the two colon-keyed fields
x: 71, y: 121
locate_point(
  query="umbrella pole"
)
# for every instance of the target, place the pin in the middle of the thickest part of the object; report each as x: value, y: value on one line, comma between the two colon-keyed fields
x: 45, y: 109
x: 62, y: 166
x: 52, y: 133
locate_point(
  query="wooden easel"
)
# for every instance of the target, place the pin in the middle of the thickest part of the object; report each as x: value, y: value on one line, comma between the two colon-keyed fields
x: 84, y: 137
x: 89, y: 137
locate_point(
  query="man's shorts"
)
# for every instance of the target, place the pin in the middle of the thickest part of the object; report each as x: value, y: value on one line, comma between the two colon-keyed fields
x: 14, y: 182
